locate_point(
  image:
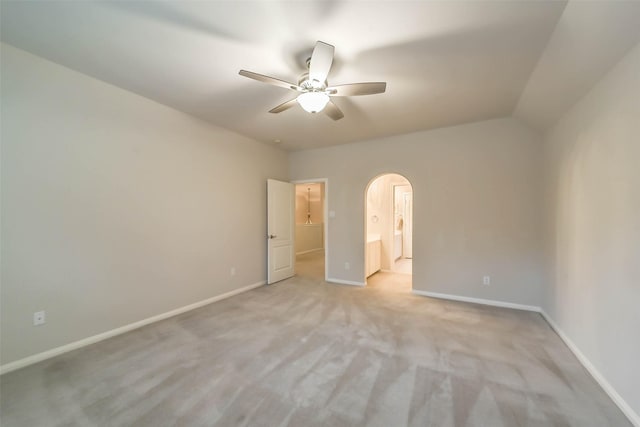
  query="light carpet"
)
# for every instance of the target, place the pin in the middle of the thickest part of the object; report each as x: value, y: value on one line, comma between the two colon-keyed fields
x: 306, y: 353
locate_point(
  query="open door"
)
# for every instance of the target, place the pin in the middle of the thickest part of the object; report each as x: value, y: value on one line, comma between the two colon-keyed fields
x: 407, y: 230
x: 280, y: 230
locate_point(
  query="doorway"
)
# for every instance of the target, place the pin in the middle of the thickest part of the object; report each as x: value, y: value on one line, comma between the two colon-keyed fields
x: 403, y: 228
x: 310, y: 229
x: 389, y: 232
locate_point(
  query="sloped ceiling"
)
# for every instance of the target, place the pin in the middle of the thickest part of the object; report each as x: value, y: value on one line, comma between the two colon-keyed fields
x: 588, y: 40
x: 445, y: 63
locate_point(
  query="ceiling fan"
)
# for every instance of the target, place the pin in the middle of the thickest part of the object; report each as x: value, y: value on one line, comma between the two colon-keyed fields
x: 313, y: 89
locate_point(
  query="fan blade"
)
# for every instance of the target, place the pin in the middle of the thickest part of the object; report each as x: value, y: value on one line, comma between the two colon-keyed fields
x: 355, y: 89
x: 284, y: 106
x: 333, y: 111
x: 270, y: 80
x: 321, y: 60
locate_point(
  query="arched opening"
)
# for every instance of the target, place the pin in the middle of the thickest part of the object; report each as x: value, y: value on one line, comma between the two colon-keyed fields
x: 389, y: 232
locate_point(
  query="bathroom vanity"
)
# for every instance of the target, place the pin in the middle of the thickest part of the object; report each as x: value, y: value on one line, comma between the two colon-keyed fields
x: 373, y: 254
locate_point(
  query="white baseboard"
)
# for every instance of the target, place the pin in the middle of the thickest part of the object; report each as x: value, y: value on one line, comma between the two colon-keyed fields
x: 493, y: 303
x: 345, y: 282
x: 383, y: 270
x: 309, y: 251
x: 30, y: 360
x: 600, y: 379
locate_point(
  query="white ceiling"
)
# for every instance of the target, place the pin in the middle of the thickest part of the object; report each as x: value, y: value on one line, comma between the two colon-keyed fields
x: 445, y: 62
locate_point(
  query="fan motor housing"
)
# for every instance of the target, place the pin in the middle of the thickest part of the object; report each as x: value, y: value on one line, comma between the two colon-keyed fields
x: 306, y: 84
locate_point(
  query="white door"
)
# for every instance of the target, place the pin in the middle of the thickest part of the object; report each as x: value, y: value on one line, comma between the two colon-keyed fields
x: 280, y: 231
x: 407, y: 230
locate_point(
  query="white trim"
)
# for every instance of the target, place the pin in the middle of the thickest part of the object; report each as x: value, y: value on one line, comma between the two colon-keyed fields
x: 600, y: 379
x: 346, y: 282
x: 309, y: 251
x: 383, y: 270
x: 478, y: 301
x: 30, y: 360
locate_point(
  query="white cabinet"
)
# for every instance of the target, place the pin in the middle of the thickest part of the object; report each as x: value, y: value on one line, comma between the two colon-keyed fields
x: 374, y: 248
x: 397, y: 245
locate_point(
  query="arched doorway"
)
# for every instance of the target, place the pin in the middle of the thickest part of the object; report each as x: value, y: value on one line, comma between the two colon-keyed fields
x: 389, y: 232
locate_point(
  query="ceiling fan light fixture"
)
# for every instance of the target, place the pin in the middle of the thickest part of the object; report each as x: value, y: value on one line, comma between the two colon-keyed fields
x: 313, y: 102
x: 313, y: 90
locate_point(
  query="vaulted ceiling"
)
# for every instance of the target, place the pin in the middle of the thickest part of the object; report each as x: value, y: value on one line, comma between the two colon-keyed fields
x: 445, y: 63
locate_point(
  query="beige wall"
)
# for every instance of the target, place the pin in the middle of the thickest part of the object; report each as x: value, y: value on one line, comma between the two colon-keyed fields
x: 477, y: 193
x: 309, y: 238
x: 316, y: 205
x: 592, y: 161
x: 115, y: 208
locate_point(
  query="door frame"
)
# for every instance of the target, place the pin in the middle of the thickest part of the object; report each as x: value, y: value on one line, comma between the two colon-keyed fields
x: 392, y: 215
x: 325, y: 226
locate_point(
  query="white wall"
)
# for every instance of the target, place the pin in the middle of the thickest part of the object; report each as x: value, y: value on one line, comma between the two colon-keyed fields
x: 477, y: 193
x: 592, y: 158
x: 116, y: 208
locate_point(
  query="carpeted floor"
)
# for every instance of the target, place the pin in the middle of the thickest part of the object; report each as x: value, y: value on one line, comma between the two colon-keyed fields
x: 306, y: 353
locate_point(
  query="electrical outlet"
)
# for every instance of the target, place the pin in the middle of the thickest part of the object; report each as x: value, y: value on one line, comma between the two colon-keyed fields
x: 233, y: 271
x: 39, y: 318
x: 347, y: 266
x: 486, y: 280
